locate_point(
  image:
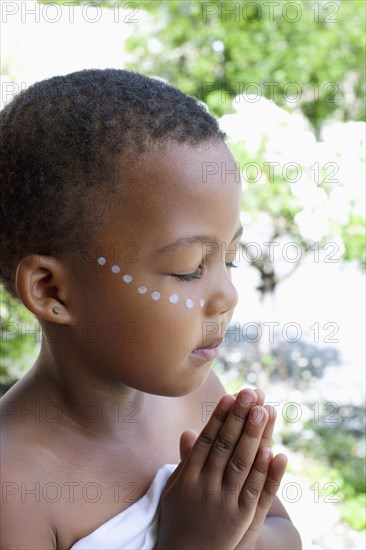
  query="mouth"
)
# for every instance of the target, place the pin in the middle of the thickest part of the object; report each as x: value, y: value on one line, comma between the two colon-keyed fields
x: 209, y: 351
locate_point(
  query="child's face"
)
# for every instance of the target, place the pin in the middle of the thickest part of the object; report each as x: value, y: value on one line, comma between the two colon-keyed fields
x: 146, y: 325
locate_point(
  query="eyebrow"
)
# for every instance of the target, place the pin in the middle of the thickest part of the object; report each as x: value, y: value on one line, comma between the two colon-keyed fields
x: 195, y: 239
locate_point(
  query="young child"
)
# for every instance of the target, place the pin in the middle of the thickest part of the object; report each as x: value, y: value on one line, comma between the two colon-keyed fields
x: 119, y: 222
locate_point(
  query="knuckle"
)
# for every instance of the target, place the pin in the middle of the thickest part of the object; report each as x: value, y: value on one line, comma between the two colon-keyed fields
x: 223, y: 444
x: 261, y: 469
x: 219, y: 413
x: 238, y: 465
x: 252, y: 434
x: 239, y: 416
x: 205, y: 440
x: 252, y: 492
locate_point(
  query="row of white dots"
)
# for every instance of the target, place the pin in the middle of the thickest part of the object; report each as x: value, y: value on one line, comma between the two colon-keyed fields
x: 155, y: 295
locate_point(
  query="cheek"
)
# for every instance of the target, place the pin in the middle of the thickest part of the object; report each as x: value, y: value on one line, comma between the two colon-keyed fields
x: 150, y: 321
x: 179, y: 297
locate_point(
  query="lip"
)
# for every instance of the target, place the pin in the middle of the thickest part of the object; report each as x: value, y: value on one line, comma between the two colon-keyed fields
x: 208, y: 353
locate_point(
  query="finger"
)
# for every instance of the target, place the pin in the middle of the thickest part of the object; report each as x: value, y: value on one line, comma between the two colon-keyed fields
x: 277, y: 470
x: 229, y: 435
x: 205, y: 441
x: 186, y: 442
x: 254, y: 484
x: 275, y: 473
x: 268, y: 430
x: 187, y: 439
x: 242, y: 459
x: 261, y: 396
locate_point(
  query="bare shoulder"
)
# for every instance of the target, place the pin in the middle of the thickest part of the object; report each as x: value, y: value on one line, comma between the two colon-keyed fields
x: 24, y: 521
x: 24, y: 515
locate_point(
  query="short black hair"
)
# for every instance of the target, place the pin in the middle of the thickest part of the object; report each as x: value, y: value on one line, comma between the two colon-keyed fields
x: 60, y: 141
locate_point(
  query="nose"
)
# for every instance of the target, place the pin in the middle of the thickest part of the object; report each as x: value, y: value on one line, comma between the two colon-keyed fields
x: 223, y: 296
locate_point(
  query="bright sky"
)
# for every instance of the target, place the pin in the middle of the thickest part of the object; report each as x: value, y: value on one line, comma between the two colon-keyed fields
x: 40, y: 41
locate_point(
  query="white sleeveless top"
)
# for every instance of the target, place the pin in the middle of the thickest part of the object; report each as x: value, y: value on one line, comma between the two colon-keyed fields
x: 136, y: 527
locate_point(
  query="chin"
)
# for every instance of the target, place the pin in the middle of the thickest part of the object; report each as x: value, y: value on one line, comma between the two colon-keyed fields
x: 188, y: 387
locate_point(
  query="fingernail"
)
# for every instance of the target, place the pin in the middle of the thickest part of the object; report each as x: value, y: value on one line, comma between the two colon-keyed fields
x: 256, y: 414
x: 266, y: 454
x: 227, y: 403
x: 245, y: 398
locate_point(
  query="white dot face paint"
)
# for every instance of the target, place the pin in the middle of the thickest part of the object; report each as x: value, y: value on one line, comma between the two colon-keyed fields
x: 173, y: 298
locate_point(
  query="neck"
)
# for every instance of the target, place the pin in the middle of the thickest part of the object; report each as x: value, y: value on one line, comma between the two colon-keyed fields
x: 83, y: 401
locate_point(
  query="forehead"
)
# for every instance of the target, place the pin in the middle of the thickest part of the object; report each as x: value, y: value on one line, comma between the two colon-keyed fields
x: 192, y: 168
x: 180, y: 190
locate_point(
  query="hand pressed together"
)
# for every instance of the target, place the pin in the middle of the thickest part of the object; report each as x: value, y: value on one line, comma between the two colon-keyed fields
x: 220, y: 493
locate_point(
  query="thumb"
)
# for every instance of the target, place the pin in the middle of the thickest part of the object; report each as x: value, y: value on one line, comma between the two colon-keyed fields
x: 187, y: 440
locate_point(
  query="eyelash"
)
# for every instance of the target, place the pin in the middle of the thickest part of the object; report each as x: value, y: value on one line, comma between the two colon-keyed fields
x: 195, y: 275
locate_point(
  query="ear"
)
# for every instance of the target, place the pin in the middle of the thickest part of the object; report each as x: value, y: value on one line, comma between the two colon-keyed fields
x: 41, y: 283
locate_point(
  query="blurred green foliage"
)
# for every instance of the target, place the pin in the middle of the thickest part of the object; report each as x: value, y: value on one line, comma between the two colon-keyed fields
x: 353, y: 235
x: 216, y: 50
x: 334, y: 450
x: 20, y: 338
x: 273, y: 196
x: 212, y: 49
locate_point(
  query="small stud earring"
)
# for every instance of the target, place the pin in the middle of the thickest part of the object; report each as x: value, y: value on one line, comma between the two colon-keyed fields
x: 56, y: 310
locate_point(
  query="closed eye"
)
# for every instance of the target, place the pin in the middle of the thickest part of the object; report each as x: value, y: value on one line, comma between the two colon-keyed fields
x: 190, y: 276
x: 198, y: 273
